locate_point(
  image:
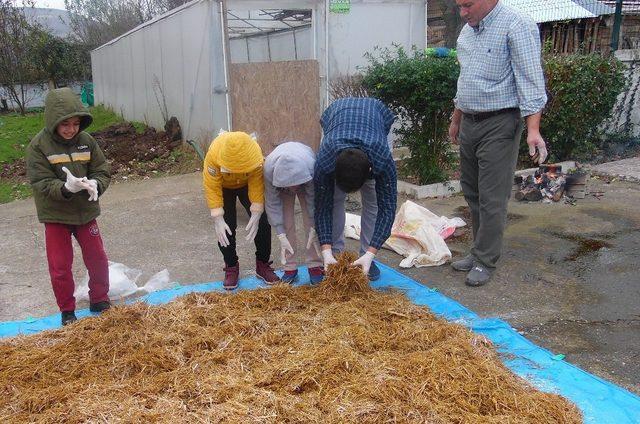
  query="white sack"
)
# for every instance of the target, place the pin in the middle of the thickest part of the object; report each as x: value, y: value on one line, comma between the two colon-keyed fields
x: 417, y: 234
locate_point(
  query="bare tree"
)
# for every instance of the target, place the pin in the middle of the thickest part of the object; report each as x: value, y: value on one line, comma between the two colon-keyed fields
x: 97, y: 21
x: 16, y: 65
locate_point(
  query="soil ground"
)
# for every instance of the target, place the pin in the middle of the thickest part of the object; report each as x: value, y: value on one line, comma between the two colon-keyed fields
x: 569, y: 278
x: 131, y: 154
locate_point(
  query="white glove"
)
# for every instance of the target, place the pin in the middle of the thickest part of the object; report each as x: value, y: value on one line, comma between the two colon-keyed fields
x: 74, y: 184
x: 93, y: 190
x: 313, y: 241
x: 364, y: 261
x: 285, y: 247
x: 222, y: 229
x: 327, y: 258
x: 252, y: 226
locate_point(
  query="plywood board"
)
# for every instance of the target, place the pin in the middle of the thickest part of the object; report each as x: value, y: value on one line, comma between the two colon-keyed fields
x: 279, y: 101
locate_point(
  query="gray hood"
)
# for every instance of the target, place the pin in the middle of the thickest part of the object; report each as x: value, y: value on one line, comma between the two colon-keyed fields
x: 289, y: 164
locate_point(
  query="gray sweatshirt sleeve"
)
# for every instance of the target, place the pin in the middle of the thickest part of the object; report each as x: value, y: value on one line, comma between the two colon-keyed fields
x: 273, y: 207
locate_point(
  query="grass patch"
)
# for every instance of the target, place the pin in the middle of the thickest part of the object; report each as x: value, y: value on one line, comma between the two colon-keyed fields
x: 16, y: 131
x: 13, y: 190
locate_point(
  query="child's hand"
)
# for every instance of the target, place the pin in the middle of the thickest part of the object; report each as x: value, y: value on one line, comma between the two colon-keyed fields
x: 92, y: 189
x: 74, y: 184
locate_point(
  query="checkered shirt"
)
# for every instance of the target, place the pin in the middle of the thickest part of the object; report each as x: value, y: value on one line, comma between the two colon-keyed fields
x: 500, y: 64
x: 362, y: 123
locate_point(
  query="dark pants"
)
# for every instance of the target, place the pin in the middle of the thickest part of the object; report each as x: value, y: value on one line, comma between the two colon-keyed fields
x: 60, y: 259
x: 263, y: 237
x: 488, y: 155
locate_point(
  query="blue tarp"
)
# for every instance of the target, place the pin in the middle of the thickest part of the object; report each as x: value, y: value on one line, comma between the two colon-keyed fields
x: 601, y: 402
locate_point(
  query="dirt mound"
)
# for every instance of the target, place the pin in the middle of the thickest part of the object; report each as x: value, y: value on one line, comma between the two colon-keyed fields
x: 126, y: 149
x: 128, y: 152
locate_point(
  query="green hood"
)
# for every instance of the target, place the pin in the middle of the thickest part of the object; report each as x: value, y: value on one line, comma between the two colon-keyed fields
x: 61, y: 104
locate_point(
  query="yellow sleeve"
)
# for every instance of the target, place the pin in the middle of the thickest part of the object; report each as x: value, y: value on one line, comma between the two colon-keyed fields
x: 212, y: 182
x: 256, y: 190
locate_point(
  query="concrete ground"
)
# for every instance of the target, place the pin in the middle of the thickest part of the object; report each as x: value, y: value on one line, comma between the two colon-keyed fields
x: 569, y: 279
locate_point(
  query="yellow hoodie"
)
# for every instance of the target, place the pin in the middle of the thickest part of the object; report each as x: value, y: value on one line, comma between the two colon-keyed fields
x: 234, y: 160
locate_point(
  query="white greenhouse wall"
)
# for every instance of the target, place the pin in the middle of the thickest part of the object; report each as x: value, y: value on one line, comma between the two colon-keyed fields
x: 177, y: 57
x: 370, y: 24
x: 183, y: 49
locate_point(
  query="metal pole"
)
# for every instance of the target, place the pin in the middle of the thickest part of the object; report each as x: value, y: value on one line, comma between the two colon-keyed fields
x: 615, y: 35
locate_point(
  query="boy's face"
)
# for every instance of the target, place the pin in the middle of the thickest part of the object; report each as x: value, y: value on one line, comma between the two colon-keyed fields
x: 68, y: 128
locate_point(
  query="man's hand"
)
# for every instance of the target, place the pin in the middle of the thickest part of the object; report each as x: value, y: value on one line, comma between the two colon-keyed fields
x: 313, y: 241
x: 364, y: 261
x: 454, y: 129
x: 93, y: 190
x: 252, y: 226
x: 285, y: 247
x: 222, y: 229
x: 74, y: 184
x: 327, y: 257
x: 535, y: 142
x: 454, y: 126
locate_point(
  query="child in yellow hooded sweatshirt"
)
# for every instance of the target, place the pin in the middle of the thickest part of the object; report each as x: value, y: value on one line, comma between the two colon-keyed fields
x: 233, y: 170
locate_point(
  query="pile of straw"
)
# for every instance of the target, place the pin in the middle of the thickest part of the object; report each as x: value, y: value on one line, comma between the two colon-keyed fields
x: 338, y: 352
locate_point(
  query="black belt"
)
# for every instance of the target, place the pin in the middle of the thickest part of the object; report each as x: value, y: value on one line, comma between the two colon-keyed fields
x: 480, y: 116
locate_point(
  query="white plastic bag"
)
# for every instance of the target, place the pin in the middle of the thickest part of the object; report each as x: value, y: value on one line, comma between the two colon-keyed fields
x: 123, y: 282
x: 159, y: 281
x: 417, y: 234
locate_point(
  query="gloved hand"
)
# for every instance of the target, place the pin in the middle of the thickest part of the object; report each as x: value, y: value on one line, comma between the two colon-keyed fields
x: 285, y: 247
x: 222, y: 229
x: 536, y: 142
x: 364, y: 261
x: 74, y: 184
x: 93, y: 190
x: 313, y: 241
x: 252, y: 226
x: 327, y: 258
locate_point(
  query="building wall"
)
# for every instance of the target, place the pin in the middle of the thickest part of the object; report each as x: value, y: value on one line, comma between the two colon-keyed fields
x: 370, y: 24
x: 175, y: 61
x: 630, y: 32
x: 626, y: 112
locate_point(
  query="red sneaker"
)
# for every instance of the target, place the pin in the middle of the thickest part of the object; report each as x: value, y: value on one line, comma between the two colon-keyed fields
x: 265, y: 272
x: 316, y: 274
x: 290, y: 277
x: 231, y: 277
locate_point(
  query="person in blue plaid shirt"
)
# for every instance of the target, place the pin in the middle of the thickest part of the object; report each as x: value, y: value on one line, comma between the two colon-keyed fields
x: 355, y: 154
x: 501, y: 81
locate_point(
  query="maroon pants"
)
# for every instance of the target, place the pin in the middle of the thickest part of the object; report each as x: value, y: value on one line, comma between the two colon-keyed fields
x: 60, y: 258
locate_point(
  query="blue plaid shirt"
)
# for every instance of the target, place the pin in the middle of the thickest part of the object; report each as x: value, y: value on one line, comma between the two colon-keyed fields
x: 500, y: 64
x: 361, y: 123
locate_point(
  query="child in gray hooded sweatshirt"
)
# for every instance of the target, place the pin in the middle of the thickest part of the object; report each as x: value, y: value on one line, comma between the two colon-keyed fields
x: 288, y: 173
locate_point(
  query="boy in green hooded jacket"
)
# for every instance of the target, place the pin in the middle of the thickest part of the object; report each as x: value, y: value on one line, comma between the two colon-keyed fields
x: 68, y: 173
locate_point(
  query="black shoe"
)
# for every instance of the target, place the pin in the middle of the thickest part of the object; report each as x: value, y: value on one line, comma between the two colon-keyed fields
x: 68, y: 317
x: 100, y: 306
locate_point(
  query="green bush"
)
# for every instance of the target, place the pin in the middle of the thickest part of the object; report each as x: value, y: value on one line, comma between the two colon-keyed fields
x: 582, y: 90
x: 419, y: 88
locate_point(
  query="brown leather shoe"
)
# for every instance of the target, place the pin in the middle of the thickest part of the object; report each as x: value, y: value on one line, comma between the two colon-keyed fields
x: 266, y: 273
x: 231, y: 277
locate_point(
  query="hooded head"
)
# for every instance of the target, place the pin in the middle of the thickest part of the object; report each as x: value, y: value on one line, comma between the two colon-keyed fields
x: 61, y: 104
x: 289, y: 171
x: 239, y: 152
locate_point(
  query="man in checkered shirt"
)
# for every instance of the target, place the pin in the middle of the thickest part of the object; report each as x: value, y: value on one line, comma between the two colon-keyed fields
x: 355, y: 154
x: 501, y: 81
